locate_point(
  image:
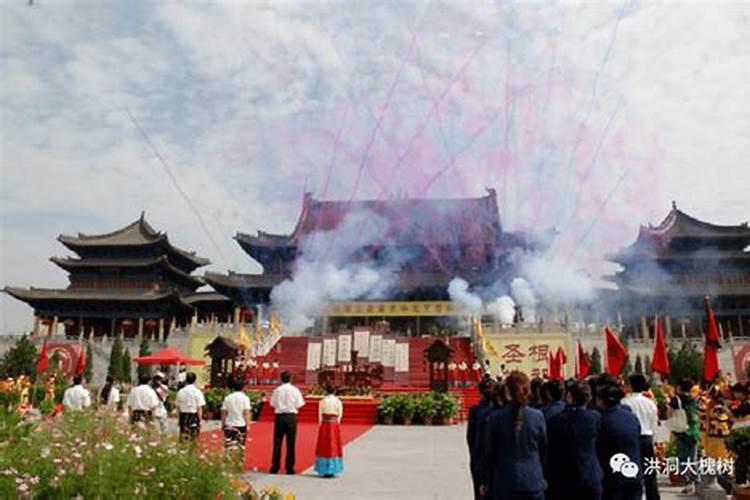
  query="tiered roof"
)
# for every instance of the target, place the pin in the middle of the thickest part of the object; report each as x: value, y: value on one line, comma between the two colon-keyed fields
x: 678, y: 228
x: 686, y: 256
x: 136, y: 247
x: 427, y: 222
x: 138, y: 234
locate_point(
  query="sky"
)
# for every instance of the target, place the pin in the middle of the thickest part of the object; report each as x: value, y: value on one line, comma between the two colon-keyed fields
x: 589, y: 118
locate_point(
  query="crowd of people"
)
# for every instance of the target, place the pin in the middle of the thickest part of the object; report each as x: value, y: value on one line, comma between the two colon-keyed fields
x: 592, y: 439
x: 147, y: 405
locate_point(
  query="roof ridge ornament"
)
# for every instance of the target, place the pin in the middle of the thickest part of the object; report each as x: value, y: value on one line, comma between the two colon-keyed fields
x: 674, y: 205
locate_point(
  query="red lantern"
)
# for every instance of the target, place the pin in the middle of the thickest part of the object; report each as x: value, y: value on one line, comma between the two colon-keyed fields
x: 150, y: 323
x: 247, y: 314
x: 45, y: 321
x: 127, y: 323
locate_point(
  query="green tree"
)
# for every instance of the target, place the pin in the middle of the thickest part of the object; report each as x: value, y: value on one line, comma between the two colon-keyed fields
x: 144, y: 350
x: 88, y: 371
x: 596, y: 361
x: 127, y: 367
x: 19, y: 359
x: 115, y: 359
x: 687, y: 362
x: 638, y: 364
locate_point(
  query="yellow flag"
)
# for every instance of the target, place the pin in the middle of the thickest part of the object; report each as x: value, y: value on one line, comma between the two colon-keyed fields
x: 244, y: 338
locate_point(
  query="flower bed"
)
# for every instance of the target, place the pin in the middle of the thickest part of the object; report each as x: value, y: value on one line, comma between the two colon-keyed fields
x: 97, y: 455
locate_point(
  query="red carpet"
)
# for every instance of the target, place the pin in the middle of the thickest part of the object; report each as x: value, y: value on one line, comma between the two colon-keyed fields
x: 259, y: 447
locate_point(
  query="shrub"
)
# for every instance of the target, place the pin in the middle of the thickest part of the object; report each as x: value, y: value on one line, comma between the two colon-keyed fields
x: 19, y: 359
x: 144, y: 350
x: 215, y: 398
x: 88, y: 371
x: 89, y: 455
x: 445, y: 405
x: 127, y: 367
x: 389, y: 406
x: 425, y: 405
x: 115, y: 359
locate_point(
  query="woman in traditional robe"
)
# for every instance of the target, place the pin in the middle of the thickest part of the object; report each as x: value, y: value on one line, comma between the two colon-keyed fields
x: 329, y: 452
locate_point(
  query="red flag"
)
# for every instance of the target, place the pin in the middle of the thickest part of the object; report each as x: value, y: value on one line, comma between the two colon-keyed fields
x: 552, y: 366
x: 583, y: 366
x: 711, y: 347
x: 660, y: 360
x: 81, y: 363
x: 43, y: 361
x: 616, y: 353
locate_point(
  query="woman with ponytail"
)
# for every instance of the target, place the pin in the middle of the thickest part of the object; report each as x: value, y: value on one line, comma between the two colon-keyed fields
x: 516, y: 446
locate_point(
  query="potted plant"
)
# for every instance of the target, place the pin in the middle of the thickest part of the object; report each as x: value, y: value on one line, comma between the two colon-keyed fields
x: 738, y: 442
x: 445, y: 407
x: 407, y: 408
x: 387, y: 409
x: 426, y: 408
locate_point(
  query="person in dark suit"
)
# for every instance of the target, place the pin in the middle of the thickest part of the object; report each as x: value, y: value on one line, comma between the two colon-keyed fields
x: 620, y: 434
x: 512, y: 466
x: 477, y: 415
x: 573, y: 470
x: 553, y: 391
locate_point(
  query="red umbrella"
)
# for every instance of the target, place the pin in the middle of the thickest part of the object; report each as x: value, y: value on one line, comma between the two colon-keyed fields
x: 167, y: 356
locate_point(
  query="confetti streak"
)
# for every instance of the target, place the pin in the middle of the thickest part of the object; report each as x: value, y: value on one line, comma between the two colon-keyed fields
x: 175, y: 183
x: 598, y: 214
x: 586, y: 174
x: 594, y: 92
x: 435, y: 106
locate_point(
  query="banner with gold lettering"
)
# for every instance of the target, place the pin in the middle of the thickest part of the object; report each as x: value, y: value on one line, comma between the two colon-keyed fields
x: 387, y: 309
x: 529, y: 352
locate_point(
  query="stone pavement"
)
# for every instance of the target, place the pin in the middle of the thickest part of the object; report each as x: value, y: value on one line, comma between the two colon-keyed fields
x: 394, y: 462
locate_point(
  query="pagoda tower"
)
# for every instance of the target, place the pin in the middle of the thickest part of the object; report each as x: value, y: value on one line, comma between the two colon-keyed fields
x: 131, y: 281
x: 673, y: 266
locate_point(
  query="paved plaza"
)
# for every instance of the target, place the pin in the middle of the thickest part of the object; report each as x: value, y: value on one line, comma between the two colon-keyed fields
x: 395, y: 462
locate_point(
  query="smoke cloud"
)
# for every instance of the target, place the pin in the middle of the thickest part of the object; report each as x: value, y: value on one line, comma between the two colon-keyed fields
x: 524, y: 296
x: 328, y: 269
x: 458, y: 291
x: 503, y: 309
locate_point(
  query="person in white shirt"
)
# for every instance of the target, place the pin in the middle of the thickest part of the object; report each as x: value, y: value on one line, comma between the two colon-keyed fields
x: 235, y: 416
x: 76, y: 398
x: 142, y: 401
x: 190, y: 402
x: 329, y: 452
x: 109, y: 397
x: 162, y: 392
x: 648, y: 416
x: 286, y: 401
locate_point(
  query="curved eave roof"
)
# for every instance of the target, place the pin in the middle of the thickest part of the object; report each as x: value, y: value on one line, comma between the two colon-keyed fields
x: 161, y: 261
x: 199, y: 297
x: 46, y: 294
x: 138, y: 233
x: 234, y: 281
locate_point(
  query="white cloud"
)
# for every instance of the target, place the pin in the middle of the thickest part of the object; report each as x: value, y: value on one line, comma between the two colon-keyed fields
x: 245, y: 101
